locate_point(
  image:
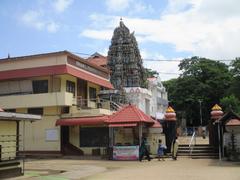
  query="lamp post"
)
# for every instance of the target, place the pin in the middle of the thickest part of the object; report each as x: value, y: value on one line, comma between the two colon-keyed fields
x: 200, y: 103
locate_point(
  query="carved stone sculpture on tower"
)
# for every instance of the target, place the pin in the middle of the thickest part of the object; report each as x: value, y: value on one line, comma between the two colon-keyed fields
x: 124, y: 60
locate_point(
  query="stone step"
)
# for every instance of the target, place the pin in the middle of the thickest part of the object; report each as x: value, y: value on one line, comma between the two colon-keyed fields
x: 10, y: 172
x: 10, y: 169
x: 199, y: 151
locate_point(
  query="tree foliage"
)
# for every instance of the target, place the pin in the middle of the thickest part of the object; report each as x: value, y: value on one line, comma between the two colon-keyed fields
x: 235, y: 83
x: 230, y: 103
x: 202, y: 80
x: 150, y: 73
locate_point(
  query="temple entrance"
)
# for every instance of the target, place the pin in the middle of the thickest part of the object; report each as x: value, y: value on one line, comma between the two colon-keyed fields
x: 64, y: 138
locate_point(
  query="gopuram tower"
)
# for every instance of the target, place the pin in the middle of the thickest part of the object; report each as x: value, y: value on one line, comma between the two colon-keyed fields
x: 124, y: 60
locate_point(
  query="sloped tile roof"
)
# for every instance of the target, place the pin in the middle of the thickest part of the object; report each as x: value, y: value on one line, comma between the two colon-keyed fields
x: 129, y: 114
x: 90, y: 120
x: 233, y: 122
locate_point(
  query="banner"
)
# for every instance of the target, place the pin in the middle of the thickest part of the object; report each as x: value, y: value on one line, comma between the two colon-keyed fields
x: 125, y: 152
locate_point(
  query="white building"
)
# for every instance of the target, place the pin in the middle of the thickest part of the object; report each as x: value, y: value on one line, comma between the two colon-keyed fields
x: 153, y: 101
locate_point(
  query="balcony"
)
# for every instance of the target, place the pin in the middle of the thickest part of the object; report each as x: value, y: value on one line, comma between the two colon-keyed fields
x: 91, y: 107
x: 37, y: 100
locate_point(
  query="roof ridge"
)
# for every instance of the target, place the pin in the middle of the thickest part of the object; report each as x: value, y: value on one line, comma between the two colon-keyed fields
x: 115, y: 114
x: 137, y: 112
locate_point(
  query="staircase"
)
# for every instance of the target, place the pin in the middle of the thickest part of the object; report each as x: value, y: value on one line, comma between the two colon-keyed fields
x: 10, y: 169
x: 200, y: 148
x: 69, y: 149
x: 200, y: 151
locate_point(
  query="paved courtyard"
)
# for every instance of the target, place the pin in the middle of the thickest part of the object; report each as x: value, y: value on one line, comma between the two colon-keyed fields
x: 182, y: 169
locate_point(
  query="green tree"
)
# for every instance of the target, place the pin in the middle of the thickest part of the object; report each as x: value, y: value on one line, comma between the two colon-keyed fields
x: 235, y: 84
x: 150, y: 73
x: 202, y: 79
x: 230, y: 103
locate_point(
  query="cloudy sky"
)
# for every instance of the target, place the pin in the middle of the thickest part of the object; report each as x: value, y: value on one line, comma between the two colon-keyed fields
x: 165, y: 29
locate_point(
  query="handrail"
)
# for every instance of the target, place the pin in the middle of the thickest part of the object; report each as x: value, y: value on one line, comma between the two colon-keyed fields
x: 192, y: 142
x: 115, y: 106
x: 97, y: 103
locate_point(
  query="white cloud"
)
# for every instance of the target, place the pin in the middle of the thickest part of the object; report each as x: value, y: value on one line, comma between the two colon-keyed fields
x: 35, y: 19
x: 200, y: 27
x: 52, y: 27
x: 117, y: 5
x: 140, y: 7
x: 61, y: 5
x: 132, y: 6
x: 167, y: 69
x: 31, y: 18
x: 95, y: 34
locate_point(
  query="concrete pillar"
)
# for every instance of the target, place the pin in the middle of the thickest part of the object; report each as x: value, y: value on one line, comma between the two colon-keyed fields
x: 170, y: 127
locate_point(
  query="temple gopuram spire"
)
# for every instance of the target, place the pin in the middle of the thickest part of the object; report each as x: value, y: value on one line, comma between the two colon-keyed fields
x: 124, y: 59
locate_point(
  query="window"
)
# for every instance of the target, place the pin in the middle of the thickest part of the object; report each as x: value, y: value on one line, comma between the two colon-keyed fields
x: 93, y: 136
x: 10, y: 110
x: 92, y: 93
x: 37, y: 111
x: 65, y: 110
x: 70, y: 87
x: 40, y: 86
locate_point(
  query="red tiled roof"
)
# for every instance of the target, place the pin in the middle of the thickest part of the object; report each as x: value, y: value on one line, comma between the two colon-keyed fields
x: 94, y: 120
x: 129, y: 114
x: 55, y: 70
x: 156, y: 124
x: 123, y: 125
x: 99, y: 61
x: 65, y: 52
x: 89, y: 77
x: 233, y: 122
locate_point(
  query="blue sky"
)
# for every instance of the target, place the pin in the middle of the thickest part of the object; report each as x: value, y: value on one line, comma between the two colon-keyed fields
x: 165, y: 29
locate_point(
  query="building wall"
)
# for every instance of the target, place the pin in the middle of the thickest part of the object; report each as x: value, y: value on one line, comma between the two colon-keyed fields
x: 8, y: 128
x: 141, y: 96
x: 43, y: 135
x: 52, y: 98
x: 37, y: 134
x: 227, y: 141
x: 31, y: 63
x: 153, y: 136
x: 123, y: 135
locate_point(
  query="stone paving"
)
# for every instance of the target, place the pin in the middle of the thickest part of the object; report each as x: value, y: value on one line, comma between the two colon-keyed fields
x: 182, y: 169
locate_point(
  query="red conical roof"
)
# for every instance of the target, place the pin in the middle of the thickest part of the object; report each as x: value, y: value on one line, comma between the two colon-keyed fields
x: 129, y: 114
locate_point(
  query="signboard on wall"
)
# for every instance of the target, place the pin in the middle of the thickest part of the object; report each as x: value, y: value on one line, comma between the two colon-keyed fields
x: 125, y: 152
x: 51, y: 134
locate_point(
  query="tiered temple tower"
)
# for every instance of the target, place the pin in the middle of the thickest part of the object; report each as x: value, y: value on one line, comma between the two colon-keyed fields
x: 124, y: 60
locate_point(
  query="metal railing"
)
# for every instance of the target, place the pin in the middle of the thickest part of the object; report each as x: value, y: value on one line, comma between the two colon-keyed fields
x: 95, y: 103
x: 192, y: 143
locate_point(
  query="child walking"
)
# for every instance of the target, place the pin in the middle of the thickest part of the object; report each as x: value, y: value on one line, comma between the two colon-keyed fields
x: 160, y: 151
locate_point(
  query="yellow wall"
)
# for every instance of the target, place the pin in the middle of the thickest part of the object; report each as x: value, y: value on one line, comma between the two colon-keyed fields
x: 33, y: 62
x: 64, y: 79
x: 97, y: 87
x: 152, y: 140
x: 123, y: 135
x: 8, y: 128
x: 35, y: 132
x: 37, y: 100
x: 92, y: 104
